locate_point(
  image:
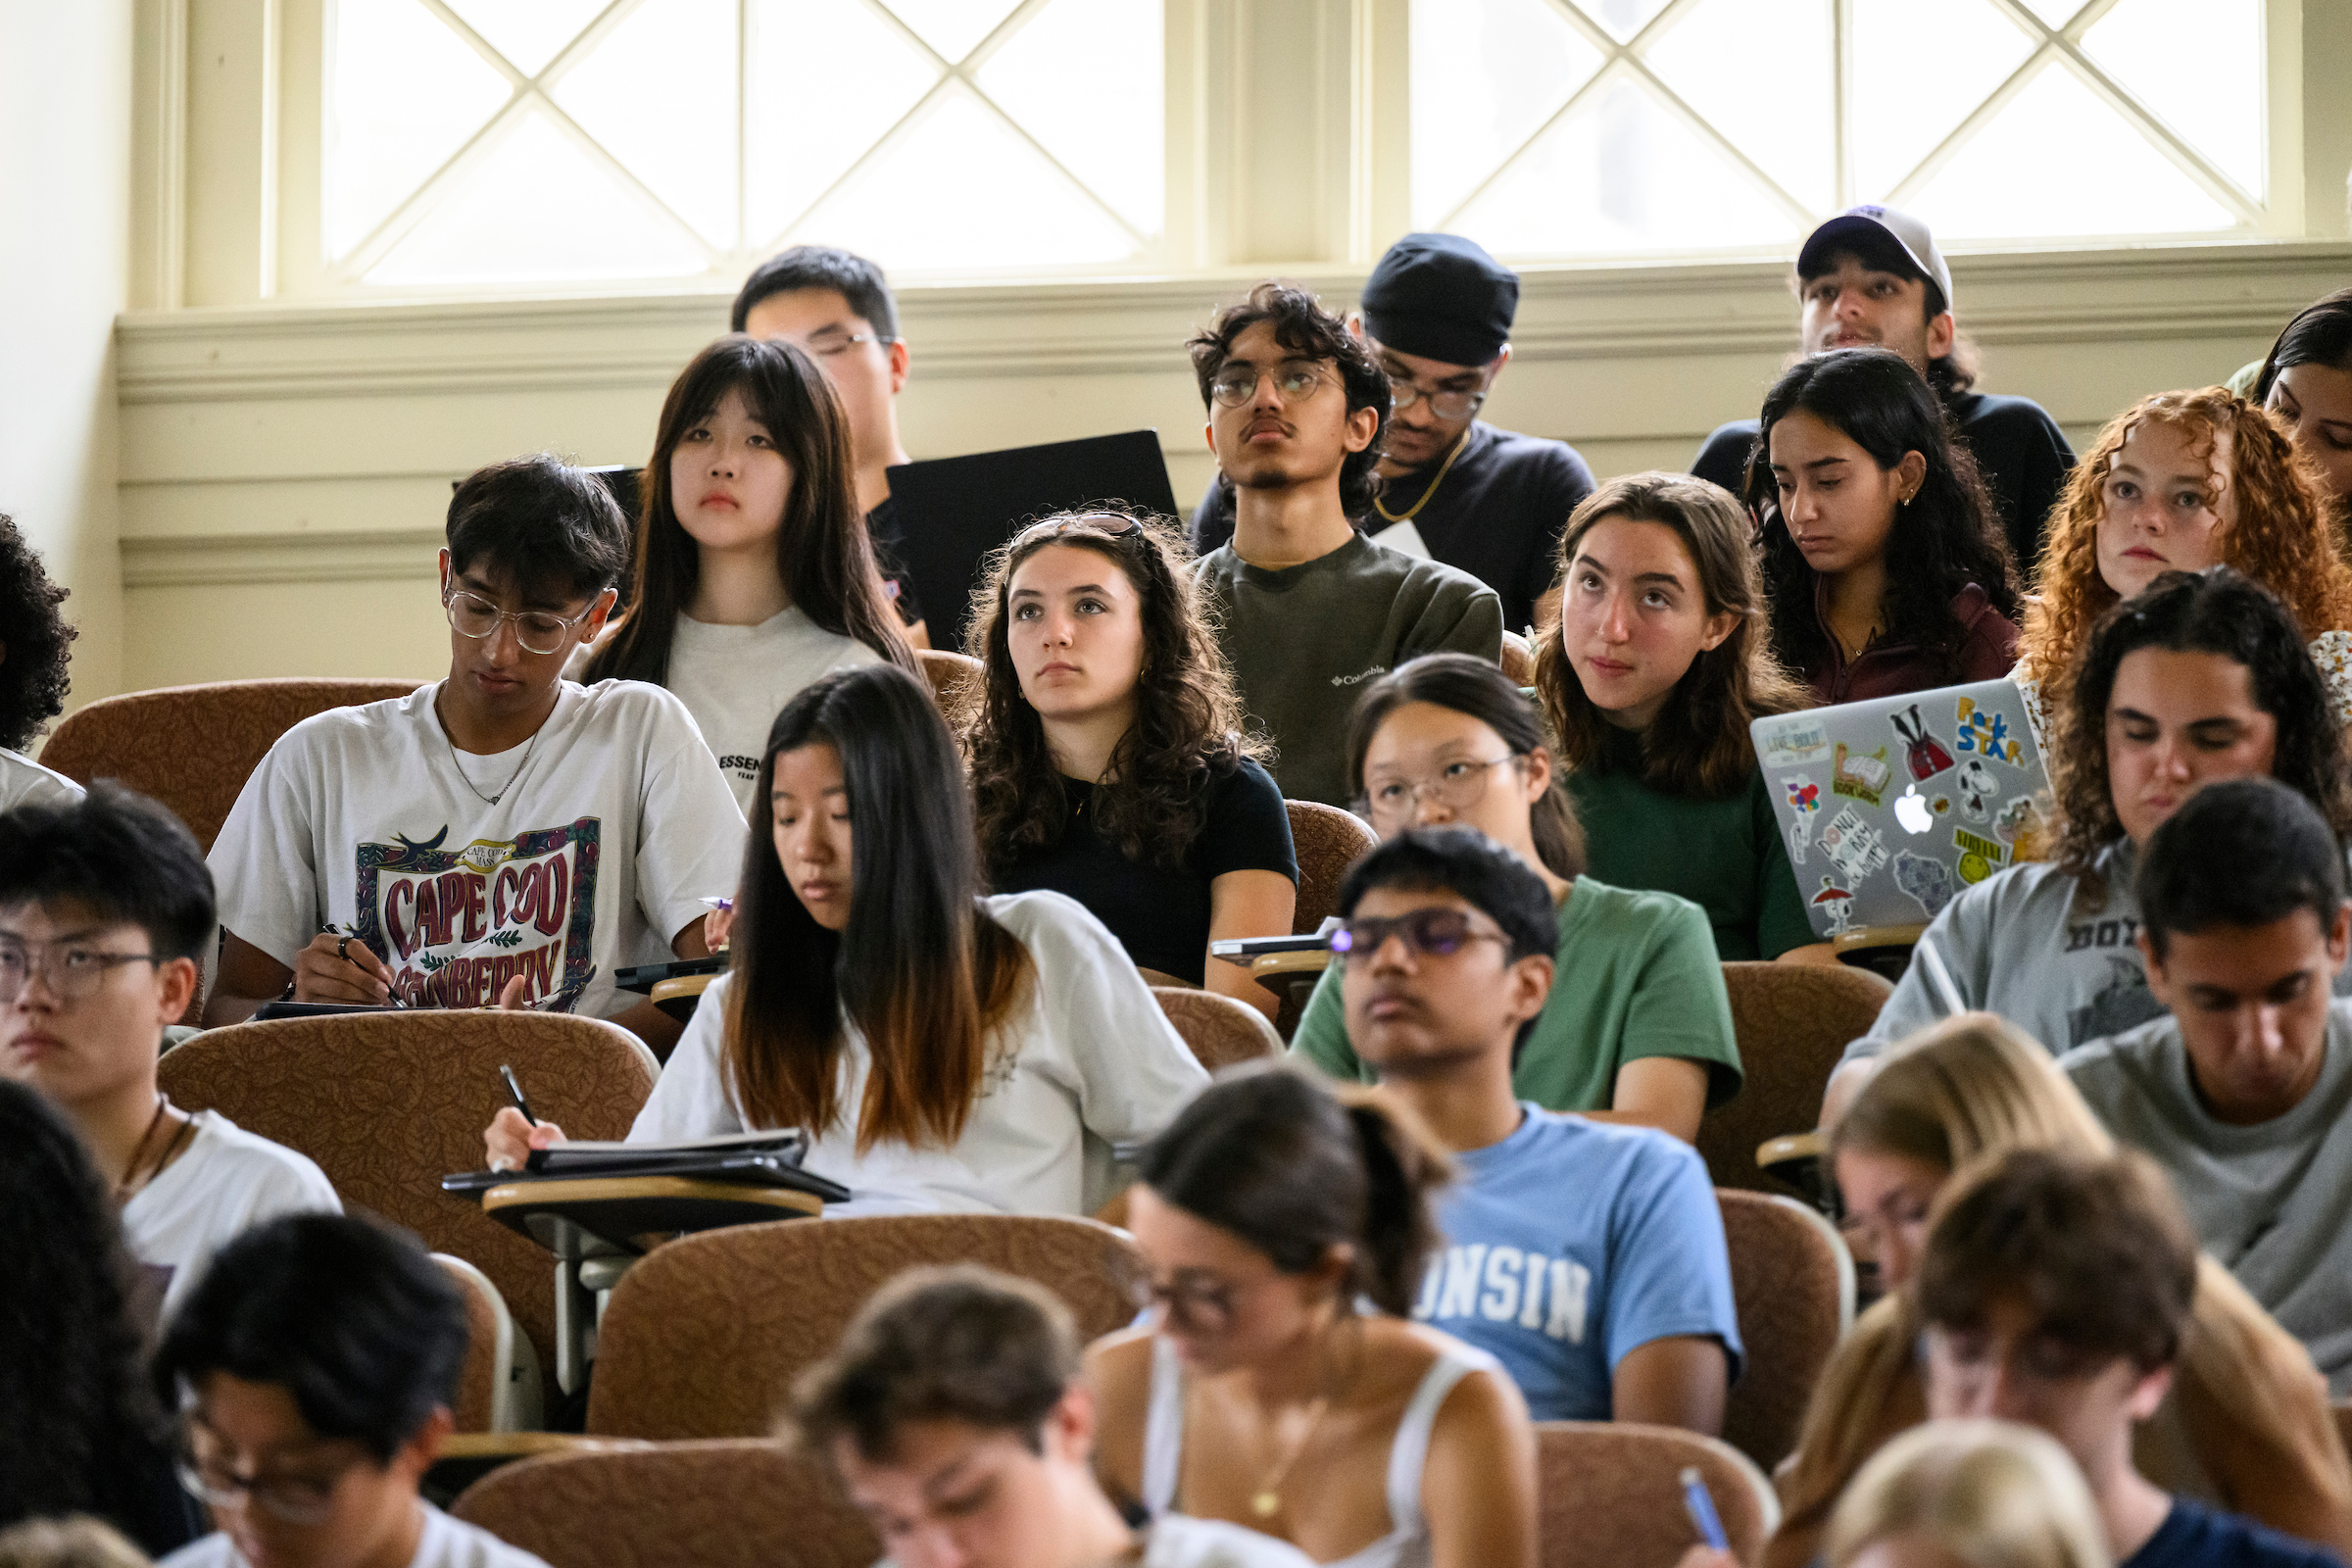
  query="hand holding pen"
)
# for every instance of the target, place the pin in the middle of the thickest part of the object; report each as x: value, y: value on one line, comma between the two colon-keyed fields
x: 337, y: 966
x: 514, y: 1132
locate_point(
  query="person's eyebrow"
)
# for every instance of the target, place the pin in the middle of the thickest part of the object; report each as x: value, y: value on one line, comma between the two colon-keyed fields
x: 945, y: 1476
x: 2132, y: 715
x: 86, y: 933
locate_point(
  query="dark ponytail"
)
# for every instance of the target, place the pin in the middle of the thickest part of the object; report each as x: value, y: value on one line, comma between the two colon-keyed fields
x: 1294, y: 1165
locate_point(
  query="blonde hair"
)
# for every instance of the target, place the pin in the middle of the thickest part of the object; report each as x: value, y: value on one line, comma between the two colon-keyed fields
x: 2283, y: 535
x: 1986, y: 1494
x: 1973, y: 1085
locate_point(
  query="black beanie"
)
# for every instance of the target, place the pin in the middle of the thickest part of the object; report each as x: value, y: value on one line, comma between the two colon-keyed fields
x: 1441, y: 297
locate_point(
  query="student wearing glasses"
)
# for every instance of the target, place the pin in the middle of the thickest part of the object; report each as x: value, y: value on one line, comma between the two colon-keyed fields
x: 106, y: 914
x: 501, y: 837
x: 1308, y: 608
x: 314, y: 1370
x: 1107, y: 758
x: 1436, y: 314
x: 837, y: 308
x: 1279, y: 1383
x: 1616, y: 1306
x: 1637, y: 1027
x: 753, y: 574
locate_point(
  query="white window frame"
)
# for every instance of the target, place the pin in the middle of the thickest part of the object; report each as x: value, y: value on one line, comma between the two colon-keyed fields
x: 1287, y: 146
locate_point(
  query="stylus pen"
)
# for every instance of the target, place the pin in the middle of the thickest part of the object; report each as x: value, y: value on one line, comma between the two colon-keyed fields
x: 1701, y: 1509
x: 514, y: 1093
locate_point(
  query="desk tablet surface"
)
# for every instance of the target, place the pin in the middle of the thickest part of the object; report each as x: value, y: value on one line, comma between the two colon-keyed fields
x: 617, y: 1208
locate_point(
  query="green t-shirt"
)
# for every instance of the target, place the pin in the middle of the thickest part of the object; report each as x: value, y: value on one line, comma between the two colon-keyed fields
x: 1727, y: 857
x: 1636, y: 977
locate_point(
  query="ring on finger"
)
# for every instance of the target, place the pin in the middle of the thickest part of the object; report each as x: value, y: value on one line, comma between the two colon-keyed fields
x: 343, y: 948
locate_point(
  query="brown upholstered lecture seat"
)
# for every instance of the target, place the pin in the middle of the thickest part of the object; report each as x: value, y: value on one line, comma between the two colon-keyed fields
x: 1793, y: 1284
x: 387, y: 1103
x: 1792, y: 1022
x: 1328, y: 841
x: 956, y: 683
x: 1609, y: 1494
x: 1220, y: 1030
x: 703, y: 1338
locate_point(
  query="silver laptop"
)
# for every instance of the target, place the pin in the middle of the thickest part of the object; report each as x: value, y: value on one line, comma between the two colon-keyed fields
x: 1892, y: 805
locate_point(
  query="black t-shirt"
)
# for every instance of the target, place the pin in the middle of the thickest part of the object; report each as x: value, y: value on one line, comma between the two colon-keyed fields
x: 2019, y: 448
x: 882, y: 526
x: 1498, y: 514
x: 1160, y: 916
x: 2197, y: 1537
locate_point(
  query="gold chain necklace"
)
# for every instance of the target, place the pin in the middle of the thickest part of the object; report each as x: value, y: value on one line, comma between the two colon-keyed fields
x: 1443, y: 468
x: 1267, y: 1500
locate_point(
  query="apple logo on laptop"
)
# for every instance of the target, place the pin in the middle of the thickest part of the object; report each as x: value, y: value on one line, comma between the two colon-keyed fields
x: 1912, y: 812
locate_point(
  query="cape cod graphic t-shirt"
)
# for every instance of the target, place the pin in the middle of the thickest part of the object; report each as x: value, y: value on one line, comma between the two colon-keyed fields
x: 615, y: 826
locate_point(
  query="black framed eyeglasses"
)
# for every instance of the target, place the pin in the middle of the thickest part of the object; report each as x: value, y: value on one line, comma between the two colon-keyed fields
x: 1427, y: 933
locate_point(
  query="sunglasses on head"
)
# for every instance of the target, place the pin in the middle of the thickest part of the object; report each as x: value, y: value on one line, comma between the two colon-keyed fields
x: 1092, y: 524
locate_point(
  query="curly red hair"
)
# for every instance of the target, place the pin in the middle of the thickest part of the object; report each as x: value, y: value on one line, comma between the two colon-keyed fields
x: 2282, y: 536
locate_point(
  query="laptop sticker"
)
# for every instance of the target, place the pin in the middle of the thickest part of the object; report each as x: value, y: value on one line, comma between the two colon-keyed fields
x: 1985, y: 734
x: 1837, y: 903
x: 2015, y: 820
x: 1927, y: 881
x: 1980, y: 857
x: 1977, y: 786
x: 1860, y: 775
x: 1796, y: 842
x: 1923, y: 753
x: 1795, y: 744
x: 1853, y: 846
x: 1804, y: 796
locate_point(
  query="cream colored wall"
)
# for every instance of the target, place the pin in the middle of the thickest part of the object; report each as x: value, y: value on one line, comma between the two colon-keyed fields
x: 285, y: 471
x: 64, y: 207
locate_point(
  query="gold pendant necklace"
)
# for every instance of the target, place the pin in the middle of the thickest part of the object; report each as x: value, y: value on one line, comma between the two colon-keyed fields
x: 1269, y: 1500
x: 1443, y: 468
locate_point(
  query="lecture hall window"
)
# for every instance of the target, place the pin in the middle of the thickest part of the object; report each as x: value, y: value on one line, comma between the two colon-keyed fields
x: 500, y: 143
x: 1617, y: 128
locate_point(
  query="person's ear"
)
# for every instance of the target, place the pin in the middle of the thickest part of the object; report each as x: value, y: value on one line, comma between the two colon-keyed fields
x: 1210, y: 431
x: 2160, y: 984
x: 1911, y: 474
x: 1530, y: 984
x: 445, y: 571
x: 1363, y: 425
x: 2339, y: 936
x: 598, y: 613
x: 417, y: 1455
x: 1942, y: 332
x: 1070, y: 1428
x: 898, y: 367
x: 1355, y: 328
x: 1332, y: 1269
x: 1495, y: 364
x: 176, y: 980
x: 1537, y: 764
x: 2149, y: 1392
x: 1720, y: 625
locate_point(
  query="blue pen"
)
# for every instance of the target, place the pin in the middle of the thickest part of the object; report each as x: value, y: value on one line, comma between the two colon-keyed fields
x: 1701, y: 1509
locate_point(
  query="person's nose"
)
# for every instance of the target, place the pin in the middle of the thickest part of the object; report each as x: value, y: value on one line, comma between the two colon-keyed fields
x: 1801, y: 504
x: 2173, y: 760
x: 1394, y: 955
x: 1617, y: 619
x: 1428, y: 809
x: 1265, y: 397
x: 2263, y: 1036
x: 505, y: 643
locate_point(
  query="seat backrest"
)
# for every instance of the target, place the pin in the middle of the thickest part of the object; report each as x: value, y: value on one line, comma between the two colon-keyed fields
x: 738, y: 1504
x: 1792, y: 1282
x: 489, y: 1349
x: 1609, y: 1494
x: 1792, y: 1022
x: 193, y: 747
x: 1220, y: 1030
x: 387, y: 1103
x: 957, y: 680
x: 1518, y: 660
x: 1328, y: 842
x: 703, y: 1338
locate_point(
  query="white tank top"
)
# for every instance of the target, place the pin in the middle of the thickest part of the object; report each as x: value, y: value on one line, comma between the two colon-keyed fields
x: 1406, y: 1544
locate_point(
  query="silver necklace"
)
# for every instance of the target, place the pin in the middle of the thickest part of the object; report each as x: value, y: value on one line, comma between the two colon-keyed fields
x: 491, y: 799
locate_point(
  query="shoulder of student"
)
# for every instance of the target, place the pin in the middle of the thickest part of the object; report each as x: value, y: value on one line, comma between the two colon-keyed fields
x: 1722, y: 456
x: 1652, y: 1156
x: 2012, y: 417
x: 453, y: 1544
x: 25, y: 782
x: 237, y: 1157
x: 1637, y: 916
x: 1560, y: 465
x: 1052, y: 926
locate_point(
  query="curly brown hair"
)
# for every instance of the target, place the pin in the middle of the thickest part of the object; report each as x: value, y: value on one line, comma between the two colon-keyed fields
x: 2280, y: 536
x: 1699, y: 746
x: 1187, y: 733
x: 2216, y: 611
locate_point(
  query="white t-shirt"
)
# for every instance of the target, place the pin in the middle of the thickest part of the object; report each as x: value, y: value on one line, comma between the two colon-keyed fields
x: 23, y: 781
x: 1087, y: 1063
x: 736, y: 679
x: 603, y: 843
x: 445, y: 1543
x: 224, y: 1184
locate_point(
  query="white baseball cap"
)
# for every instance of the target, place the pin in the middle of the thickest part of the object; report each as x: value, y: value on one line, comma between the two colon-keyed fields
x: 1868, y: 233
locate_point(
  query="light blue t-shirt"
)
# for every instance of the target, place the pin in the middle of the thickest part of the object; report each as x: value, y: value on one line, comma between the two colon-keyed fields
x: 1572, y: 1243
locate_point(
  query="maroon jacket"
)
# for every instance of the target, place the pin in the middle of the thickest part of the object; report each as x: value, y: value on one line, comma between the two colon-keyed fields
x: 1987, y: 652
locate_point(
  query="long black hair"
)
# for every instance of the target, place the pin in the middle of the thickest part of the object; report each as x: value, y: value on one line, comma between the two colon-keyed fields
x: 1294, y: 1165
x: 2219, y: 612
x: 921, y: 969
x: 72, y: 1379
x: 822, y: 551
x: 1944, y: 538
x: 2320, y: 334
